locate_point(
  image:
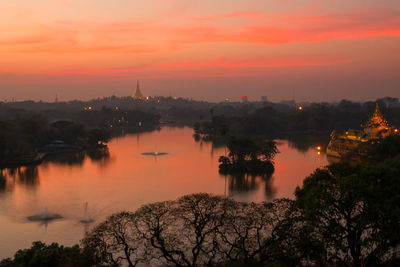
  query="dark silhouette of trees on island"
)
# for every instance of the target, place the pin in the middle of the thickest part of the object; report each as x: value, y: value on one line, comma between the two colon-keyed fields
x: 248, y: 156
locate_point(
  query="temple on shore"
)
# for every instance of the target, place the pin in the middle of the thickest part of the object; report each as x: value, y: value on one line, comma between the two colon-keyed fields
x: 138, y: 94
x: 357, y: 142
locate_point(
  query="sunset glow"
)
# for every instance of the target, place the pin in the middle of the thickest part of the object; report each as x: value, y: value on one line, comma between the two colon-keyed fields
x: 201, y: 49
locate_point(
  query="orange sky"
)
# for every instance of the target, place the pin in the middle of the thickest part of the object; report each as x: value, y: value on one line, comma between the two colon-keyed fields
x: 324, y: 50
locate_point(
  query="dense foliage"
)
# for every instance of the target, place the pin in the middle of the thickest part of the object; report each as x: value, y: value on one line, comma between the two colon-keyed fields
x: 354, y: 211
x: 41, y: 254
x: 387, y: 148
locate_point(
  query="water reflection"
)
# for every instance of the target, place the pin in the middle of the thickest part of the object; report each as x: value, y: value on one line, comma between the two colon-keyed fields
x: 70, y: 159
x: 3, y: 181
x: 26, y: 175
x: 248, y: 184
x: 305, y: 142
x: 100, y: 155
x: 29, y: 175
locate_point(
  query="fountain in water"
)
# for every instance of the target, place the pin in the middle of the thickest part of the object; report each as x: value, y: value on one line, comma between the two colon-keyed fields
x: 86, y: 218
x: 154, y: 153
x: 45, y: 216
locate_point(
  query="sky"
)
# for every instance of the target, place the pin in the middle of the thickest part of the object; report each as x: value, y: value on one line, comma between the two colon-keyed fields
x: 200, y: 49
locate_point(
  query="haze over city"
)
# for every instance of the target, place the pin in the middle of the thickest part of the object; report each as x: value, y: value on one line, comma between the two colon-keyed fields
x: 206, y: 50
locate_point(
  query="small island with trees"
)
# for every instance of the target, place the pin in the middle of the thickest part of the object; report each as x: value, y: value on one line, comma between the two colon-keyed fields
x: 249, y: 157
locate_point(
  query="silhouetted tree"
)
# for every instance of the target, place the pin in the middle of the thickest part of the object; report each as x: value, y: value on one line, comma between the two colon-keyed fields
x: 116, y: 241
x: 354, y: 211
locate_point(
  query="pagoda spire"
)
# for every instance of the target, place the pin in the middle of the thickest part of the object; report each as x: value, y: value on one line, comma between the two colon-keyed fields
x: 138, y: 94
x: 377, y: 120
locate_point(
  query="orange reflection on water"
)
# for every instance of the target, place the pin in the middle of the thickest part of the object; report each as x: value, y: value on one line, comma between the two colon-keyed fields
x: 292, y: 166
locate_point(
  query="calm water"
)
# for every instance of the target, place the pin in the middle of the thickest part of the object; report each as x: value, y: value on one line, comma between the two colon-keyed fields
x: 126, y: 179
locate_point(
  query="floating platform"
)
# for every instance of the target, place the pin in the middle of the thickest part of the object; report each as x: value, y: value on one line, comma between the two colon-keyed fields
x: 154, y: 153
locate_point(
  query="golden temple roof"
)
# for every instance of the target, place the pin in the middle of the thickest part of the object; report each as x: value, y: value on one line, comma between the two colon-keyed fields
x: 377, y: 120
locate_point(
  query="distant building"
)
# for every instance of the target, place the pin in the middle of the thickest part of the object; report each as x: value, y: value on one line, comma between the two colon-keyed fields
x: 138, y: 94
x: 244, y: 99
x: 56, y: 99
x: 264, y: 98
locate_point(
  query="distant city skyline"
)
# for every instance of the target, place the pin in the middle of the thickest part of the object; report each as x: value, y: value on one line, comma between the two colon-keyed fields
x: 205, y: 50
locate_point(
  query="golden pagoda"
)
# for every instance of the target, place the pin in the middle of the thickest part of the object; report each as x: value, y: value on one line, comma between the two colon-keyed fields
x: 138, y: 94
x: 357, y: 142
x: 377, y: 126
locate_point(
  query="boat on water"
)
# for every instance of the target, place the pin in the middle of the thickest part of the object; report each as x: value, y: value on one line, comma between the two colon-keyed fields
x: 354, y: 144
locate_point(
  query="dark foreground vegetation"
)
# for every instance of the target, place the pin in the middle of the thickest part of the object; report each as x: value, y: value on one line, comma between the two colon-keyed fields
x: 41, y: 254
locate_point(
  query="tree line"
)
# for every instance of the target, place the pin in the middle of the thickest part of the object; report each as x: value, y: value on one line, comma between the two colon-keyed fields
x: 23, y: 133
x: 275, y: 120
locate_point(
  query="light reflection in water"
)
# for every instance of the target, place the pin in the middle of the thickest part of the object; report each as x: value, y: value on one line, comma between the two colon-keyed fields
x: 123, y: 179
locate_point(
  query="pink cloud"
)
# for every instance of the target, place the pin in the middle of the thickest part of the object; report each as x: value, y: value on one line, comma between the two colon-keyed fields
x: 146, y: 37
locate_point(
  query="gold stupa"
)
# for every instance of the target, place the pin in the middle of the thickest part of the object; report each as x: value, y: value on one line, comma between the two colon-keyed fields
x: 357, y: 142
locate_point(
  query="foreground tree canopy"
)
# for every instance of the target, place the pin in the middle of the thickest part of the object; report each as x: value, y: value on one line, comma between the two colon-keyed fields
x: 196, y: 230
x: 354, y: 211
